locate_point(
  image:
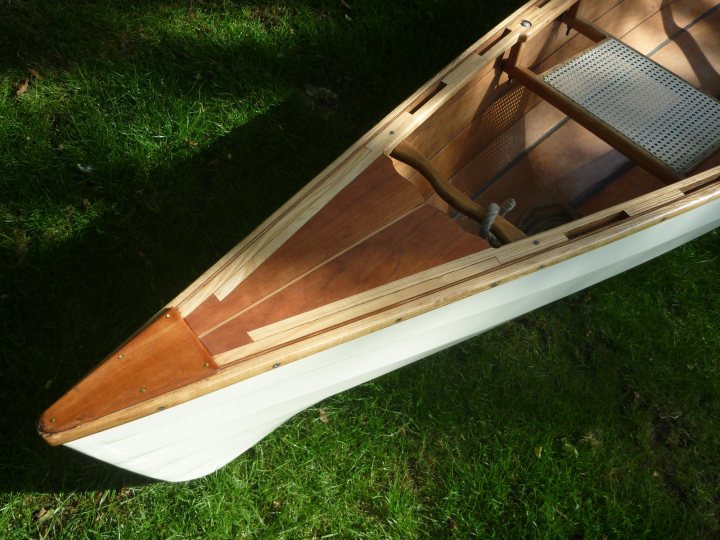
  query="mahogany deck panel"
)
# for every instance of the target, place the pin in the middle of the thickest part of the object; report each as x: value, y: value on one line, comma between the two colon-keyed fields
x: 422, y: 240
x: 375, y: 198
x: 162, y: 356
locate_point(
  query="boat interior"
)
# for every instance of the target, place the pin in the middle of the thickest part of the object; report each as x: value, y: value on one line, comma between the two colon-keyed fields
x: 505, y: 133
x: 514, y: 135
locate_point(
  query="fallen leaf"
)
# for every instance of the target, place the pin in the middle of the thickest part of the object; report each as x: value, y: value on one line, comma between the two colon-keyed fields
x: 43, y: 514
x: 323, y: 416
x: 321, y: 95
x: 34, y: 74
x: 593, y: 438
x: 569, y: 447
x: 21, y: 87
x: 276, y: 505
x: 538, y: 451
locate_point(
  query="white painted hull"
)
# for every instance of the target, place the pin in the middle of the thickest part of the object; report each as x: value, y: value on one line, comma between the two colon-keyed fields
x: 200, y: 436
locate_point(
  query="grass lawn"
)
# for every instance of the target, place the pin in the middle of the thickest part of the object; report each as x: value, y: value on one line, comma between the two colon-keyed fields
x: 152, y: 136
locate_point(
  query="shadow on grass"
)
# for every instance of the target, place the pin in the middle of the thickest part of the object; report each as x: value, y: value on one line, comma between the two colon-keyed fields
x: 65, y: 307
x: 72, y: 305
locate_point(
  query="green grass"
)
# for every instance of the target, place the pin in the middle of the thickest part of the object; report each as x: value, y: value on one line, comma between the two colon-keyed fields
x: 596, y: 417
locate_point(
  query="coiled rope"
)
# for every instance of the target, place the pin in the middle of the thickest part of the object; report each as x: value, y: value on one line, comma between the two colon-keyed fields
x: 491, y: 215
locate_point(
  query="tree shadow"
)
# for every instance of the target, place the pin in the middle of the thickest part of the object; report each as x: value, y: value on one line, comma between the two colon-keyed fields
x: 109, y: 282
x: 696, y: 57
x: 65, y: 305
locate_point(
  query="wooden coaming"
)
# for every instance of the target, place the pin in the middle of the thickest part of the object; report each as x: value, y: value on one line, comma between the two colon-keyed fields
x: 270, y: 302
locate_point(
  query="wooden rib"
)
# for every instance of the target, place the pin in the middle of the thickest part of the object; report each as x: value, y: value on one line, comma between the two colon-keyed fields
x: 503, y: 229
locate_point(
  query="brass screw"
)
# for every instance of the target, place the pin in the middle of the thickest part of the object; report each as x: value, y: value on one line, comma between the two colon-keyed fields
x: 167, y: 315
x: 143, y: 390
x: 206, y: 364
x: 275, y: 366
x: 121, y: 356
x: 52, y: 420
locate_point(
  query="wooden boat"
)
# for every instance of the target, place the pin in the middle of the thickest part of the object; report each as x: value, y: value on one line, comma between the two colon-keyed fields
x: 597, y: 117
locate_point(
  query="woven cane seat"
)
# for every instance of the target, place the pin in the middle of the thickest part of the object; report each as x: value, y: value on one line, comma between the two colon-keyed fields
x: 655, y: 109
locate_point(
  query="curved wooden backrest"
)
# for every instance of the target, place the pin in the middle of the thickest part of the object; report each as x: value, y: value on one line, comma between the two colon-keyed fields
x: 408, y: 154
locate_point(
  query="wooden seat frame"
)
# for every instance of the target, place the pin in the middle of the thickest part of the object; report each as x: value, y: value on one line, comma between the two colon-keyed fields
x: 604, y: 131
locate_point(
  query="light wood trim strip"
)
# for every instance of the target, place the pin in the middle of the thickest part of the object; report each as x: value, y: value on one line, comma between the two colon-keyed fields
x: 313, y: 319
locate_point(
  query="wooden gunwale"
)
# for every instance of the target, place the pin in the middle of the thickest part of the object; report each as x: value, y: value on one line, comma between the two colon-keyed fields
x: 365, y: 313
